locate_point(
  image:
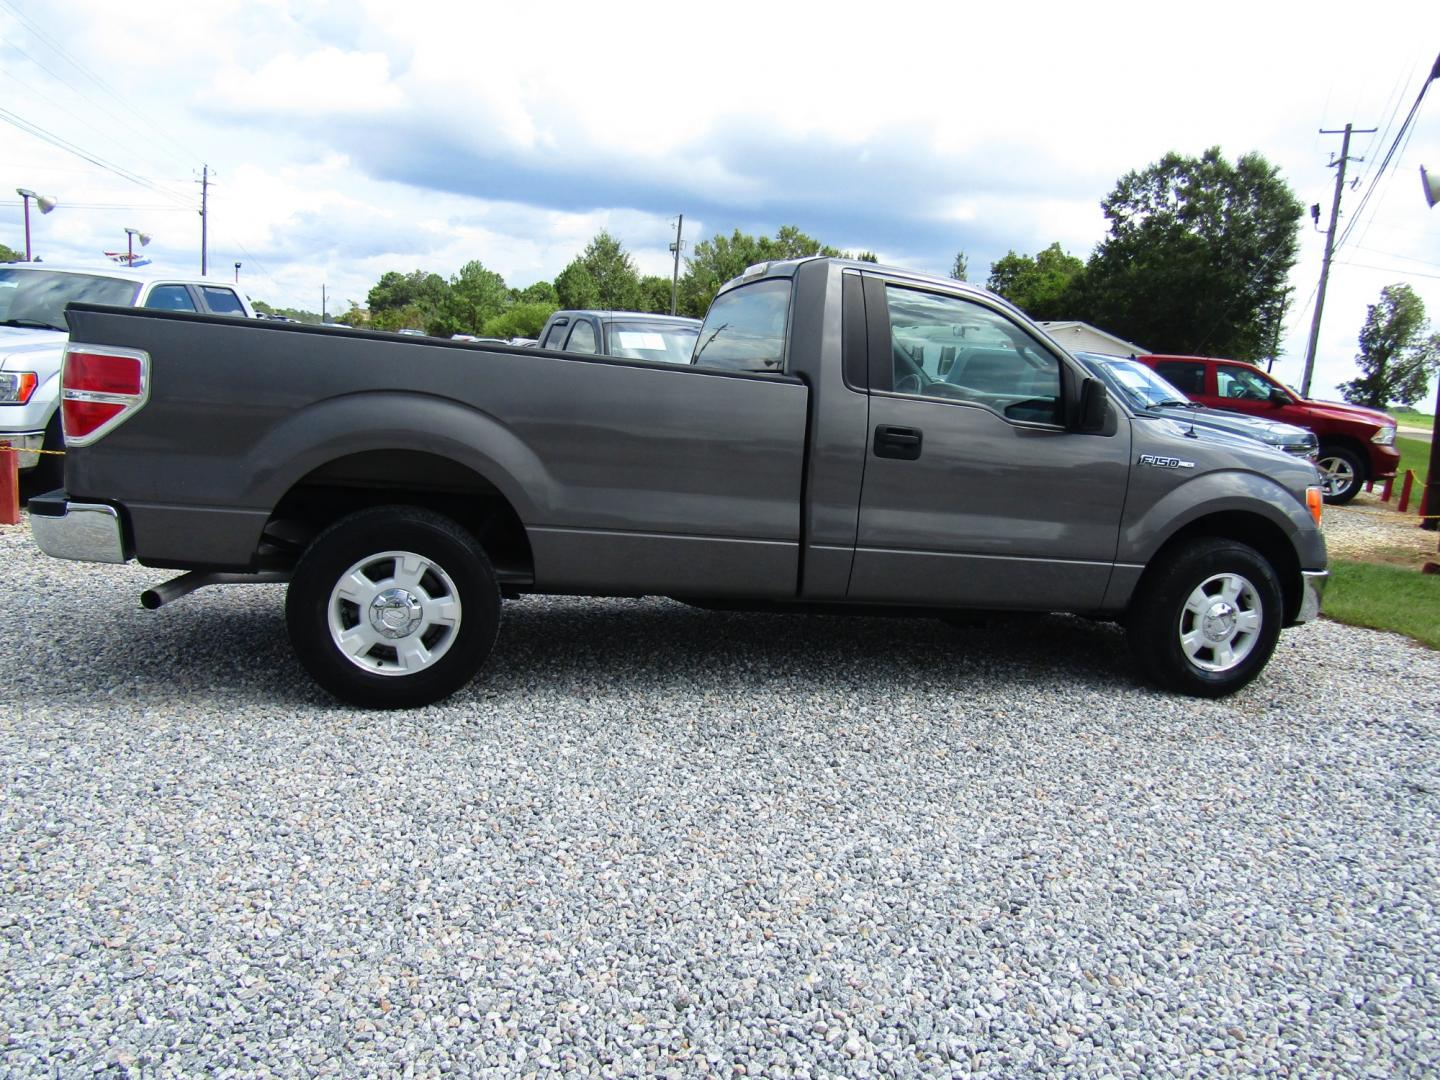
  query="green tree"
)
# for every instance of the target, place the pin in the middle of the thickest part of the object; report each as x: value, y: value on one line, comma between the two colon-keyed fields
x: 406, y: 300
x: 717, y: 260
x: 474, y: 295
x: 1042, y: 287
x: 542, y: 292
x: 655, y: 294
x: 1395, y: 355
x: 355, y: 316
x: 617, y: 283
x: 867, y: 257
x: 1197, y: 256
x: 521, y: 320
x: 9, y: 254
x: 576, y: 288
x: 960, y: 271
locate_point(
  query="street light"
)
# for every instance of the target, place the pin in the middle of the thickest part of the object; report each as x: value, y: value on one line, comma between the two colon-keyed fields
x: 44, y: 202
x: 237, y: 273
x: 130, y: 236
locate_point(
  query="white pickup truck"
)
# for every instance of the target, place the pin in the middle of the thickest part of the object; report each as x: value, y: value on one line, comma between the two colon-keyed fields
x: 33, y: 332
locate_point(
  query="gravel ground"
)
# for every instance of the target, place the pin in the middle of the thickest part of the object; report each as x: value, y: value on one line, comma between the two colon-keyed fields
x: 655, y: 840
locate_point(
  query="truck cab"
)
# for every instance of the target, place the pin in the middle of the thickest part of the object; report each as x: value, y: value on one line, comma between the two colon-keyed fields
x: 33, y: 332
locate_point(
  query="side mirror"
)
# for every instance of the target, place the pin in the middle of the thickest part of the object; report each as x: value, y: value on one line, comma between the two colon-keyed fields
x: 1094, y: 406
x: 1278, y: 396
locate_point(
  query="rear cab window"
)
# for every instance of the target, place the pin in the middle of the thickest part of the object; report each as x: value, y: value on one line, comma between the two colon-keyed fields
x: 222, y: 301
x: 170, y: 298
x: 744, y: 329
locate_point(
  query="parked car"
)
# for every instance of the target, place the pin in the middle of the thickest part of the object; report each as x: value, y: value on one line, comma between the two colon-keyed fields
x: 847, y: 437
x: 1356, y: 444
x: 32, y: 341
x: 637, y: 335
x: 1151, y: 395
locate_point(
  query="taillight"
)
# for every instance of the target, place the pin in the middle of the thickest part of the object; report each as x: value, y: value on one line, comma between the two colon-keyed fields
x: 102, y: 387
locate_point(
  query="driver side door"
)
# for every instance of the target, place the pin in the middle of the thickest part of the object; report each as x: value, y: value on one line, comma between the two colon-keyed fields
x: 975, y: 492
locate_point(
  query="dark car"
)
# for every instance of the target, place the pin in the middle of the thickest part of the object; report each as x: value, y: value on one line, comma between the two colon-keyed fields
x: 1147, y: 392
x: 635, y: 335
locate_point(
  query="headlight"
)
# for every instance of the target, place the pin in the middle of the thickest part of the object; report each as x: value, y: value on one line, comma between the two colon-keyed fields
x: 17, y: 386
x: 1384, y: 437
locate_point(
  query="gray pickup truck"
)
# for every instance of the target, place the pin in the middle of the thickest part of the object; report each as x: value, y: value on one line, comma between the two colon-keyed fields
x: 845, y: 437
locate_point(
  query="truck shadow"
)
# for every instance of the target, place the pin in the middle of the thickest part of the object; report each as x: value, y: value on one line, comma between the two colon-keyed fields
x: 230, y: 646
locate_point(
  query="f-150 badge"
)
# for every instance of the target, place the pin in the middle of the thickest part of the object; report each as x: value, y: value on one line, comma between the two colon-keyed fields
x: 1166, y: 462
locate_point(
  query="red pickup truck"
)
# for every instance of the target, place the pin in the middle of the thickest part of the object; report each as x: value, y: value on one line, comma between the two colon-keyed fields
x: 1356, y: 444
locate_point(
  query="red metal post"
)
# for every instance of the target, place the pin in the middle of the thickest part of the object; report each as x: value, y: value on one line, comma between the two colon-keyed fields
x: 9, y: 485
x: 1386, y: 491
x: 1405, y: 490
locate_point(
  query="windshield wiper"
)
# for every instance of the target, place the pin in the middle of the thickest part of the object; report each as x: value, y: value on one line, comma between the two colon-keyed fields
x: 709, y: 341
x: 34, y: 324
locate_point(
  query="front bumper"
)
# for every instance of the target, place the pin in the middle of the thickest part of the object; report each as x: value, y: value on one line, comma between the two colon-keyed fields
x: 1384, y: 461
x: 25, y: 443
x: 85, y: 532
x: 1312, y: 584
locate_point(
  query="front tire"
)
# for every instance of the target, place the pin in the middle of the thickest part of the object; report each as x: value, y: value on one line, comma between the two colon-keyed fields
x: 1342, y: 474
x: 393, y: 607
x: 1206, y: 618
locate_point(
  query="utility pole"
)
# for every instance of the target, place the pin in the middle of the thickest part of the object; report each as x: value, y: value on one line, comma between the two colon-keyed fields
x: 204, y: 219
x: 1339, y: 165
x: 322, y: 303
x: 675, y: 277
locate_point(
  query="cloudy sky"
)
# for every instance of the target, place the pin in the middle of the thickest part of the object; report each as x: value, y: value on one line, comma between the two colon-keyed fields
x: 347, y: 139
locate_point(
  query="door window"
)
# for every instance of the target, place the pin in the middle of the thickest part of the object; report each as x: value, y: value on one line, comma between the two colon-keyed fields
x: 1242, y: 384
x: 582, y: 338
x: 1184, y: 376
x: 954, y: 349
x: 556, y: 335
x: 170, y: 298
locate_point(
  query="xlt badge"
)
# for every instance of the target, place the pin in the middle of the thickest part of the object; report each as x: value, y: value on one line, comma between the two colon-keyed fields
x: 1165, y: 462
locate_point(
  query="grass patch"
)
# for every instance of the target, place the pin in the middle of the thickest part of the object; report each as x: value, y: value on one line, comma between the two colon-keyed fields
x: 1414, y: 454
x: 1385, y: 598
x: 1412, y: 416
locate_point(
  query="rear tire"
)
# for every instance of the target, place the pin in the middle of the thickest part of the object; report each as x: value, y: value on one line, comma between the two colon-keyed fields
x: 1342, y: 474
x: 393, y: 607
x: 1206, y: 618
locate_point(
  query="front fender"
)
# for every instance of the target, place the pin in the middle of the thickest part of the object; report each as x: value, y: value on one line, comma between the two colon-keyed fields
x: 1148, y: 526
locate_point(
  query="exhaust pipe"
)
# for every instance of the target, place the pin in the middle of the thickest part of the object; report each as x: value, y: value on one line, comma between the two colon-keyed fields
x: 185, y: 584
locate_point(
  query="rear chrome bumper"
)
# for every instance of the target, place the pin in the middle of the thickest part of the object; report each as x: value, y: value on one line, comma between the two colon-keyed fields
x: 1312, y: 583
x: 85, y: 532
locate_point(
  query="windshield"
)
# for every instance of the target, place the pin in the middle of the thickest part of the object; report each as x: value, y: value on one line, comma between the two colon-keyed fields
x: 665, y: 342
x: 1135, y: 382
x: 38, y: 297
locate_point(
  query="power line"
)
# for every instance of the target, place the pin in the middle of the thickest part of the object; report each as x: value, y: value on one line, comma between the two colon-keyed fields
x: 1385, y: 269
x: 1400, y: 135
x: 64, y: 144
x: 151, y: 129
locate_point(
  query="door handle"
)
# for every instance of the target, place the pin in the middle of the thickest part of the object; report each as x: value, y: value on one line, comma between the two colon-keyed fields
x: 898, y: 442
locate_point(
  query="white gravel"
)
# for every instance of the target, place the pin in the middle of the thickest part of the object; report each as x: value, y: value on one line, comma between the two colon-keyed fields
x: 657, y: 840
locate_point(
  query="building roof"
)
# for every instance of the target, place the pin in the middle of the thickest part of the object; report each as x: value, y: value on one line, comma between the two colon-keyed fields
x: 1057, y: 327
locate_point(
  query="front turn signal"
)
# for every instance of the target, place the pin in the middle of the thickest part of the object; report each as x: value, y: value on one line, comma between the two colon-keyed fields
x: 1314, y: 501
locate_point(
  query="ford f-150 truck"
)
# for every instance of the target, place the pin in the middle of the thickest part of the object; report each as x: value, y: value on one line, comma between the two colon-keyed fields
x: 845, y: 437
x: 33, y: 297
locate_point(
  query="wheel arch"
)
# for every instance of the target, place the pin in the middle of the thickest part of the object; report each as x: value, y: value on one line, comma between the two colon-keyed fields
x: 1251, y: 529
x: 400, y: 477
